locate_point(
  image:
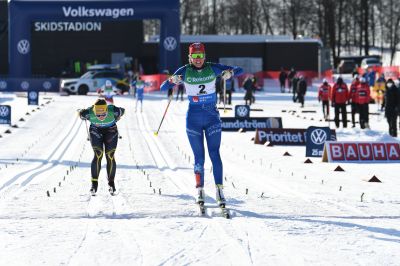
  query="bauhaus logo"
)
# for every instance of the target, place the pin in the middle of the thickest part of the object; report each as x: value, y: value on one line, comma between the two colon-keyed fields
x: 23, y: 46
x: 82, y: 11
x: 170, y: 43
x: 318, y: 136
x: 361, y: 151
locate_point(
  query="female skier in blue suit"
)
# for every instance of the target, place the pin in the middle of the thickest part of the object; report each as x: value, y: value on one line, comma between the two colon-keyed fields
x: 202, y: 116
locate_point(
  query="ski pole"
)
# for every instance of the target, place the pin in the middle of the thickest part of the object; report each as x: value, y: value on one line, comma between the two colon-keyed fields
x: 224, y: 94
x: 87, y: 131
x: 165, y: 112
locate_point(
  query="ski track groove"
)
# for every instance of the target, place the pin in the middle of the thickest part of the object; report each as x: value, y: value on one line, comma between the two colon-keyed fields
x: 38, y: 169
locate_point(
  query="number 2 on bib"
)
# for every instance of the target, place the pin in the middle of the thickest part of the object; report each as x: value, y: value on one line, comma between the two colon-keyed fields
x: 202, y: 89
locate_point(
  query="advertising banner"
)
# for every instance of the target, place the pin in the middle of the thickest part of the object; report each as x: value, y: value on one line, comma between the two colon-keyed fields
x: 281, y: 136
x: 26, y: 84
x: 361, y: 152
x: 316, y: 138
x: 242, y: 111
x: 250, y: 124
x: 153, y: 82
x: 5, y: 114
x: 33, y: 97
x: 287, y: 136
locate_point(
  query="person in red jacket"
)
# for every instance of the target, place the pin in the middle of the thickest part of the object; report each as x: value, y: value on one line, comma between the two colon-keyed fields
x: 323, y: 95
x: 363, y: 98
x: 353, y: 98
x: 340, y: 94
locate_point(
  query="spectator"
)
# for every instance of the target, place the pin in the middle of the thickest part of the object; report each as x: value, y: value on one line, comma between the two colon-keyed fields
x: 392, y: 96
x: 181, y: 88
x: 295, y: 80
x: 340, y: 95
x: 301, y: 90
x: 371, y: 77
x: 282, y: 79
x: 249, y: 87
x: 380, y: 88
x: 355, y: 71
x: 230, y: 87
x: 290, y: 78
x: 323, y: 95
x: 363, y: 98
x: 353, y: 99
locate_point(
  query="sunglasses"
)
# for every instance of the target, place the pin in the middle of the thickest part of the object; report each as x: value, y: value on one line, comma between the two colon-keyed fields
x: 101, y: 115
x: 197, y: 56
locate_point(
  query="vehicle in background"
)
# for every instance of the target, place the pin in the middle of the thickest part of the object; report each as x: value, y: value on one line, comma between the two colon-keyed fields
x: 94, y: 79
x: 370, y: 62
x: 346, y: 66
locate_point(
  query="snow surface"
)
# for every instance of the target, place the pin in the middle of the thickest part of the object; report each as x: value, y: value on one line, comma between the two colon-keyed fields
x: 293, y: 214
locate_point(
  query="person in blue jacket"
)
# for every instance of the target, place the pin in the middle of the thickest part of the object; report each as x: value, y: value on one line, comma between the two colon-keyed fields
x: 202, y: 116
x: 139, y: 85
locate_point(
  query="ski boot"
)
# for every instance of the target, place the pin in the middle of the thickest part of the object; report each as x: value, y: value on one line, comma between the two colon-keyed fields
x: 200, y: 196
x: 220, y: 196
x: 111, y: 188
x: 93, y: 189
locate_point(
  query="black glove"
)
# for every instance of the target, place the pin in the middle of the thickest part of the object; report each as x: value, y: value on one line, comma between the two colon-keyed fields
x: 333, y: 104
x: 80, y: 113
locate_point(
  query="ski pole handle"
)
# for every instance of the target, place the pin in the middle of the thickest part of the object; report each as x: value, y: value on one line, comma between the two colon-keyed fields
x: 165, y: 112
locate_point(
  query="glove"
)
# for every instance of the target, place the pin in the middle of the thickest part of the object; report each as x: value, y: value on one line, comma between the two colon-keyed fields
x: 176, y: 79
x: 80, y: 113
x: 226, y: 74
x: 333, y: 104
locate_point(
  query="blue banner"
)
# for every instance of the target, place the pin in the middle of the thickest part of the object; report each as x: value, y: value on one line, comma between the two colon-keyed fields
x: 250, y: 124
x: 33, y: 97
x: 5, y: 114
x: 242, y: 111
x: 316, y: 138
x: 26, y: 84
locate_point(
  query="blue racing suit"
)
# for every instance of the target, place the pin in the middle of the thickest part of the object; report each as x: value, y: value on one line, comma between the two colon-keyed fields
x: 202, y: 116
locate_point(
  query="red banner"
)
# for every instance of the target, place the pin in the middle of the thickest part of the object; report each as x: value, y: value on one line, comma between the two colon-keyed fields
x: 361, y: 152
x: 153, y: 82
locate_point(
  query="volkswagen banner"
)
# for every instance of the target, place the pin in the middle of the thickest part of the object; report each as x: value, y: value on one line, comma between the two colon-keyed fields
x: 5, y: 114
x: 242, y: 111
x: 316, y: 138
x: 33, y: 97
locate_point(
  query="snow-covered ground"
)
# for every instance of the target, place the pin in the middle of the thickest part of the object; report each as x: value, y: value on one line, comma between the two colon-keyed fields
x: 293, y: 214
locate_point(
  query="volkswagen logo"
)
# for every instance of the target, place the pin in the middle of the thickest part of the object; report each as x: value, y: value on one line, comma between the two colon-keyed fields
x: 25, y: 85
x: 318, y: 136
x: 170, y: 43
x: 3, y: 85
x: 242, y: 111
x: 47, y: 85
x: 23, y: 46
x: 4, y: 111
x: 33, y: 95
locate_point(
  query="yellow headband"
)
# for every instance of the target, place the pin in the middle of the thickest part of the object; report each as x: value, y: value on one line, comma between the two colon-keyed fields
x: 100, y: 109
